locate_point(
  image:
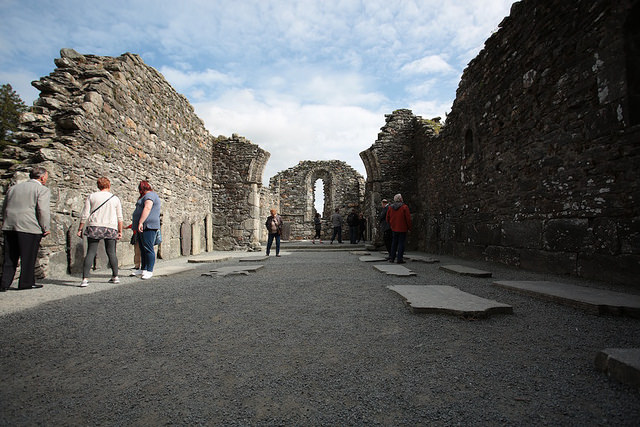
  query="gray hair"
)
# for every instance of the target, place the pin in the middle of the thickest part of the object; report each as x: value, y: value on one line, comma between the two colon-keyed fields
x: 397, y: 198
x: 37, y: 172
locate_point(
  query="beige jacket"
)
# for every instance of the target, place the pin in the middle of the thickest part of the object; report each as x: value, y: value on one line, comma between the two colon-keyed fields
x: 26, y: 208
x: 107, y: 216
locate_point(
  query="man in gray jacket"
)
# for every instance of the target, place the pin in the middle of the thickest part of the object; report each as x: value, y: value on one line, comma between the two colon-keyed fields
x: 26, y: 219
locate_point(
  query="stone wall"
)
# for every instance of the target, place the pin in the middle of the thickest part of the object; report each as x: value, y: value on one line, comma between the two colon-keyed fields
x: 391, y: 165
x: 115, y: 117
x: 537, y: 165
x: 293, y: 192
x: 238, y: 166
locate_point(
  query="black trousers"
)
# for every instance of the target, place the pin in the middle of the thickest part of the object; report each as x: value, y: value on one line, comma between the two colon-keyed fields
x: 22, y: 246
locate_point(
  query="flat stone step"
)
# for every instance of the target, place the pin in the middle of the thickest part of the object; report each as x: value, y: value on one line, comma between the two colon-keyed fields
x: 420, y: 258
x: 448, y: 300
x: 234, y: 269
x: 465, y: 271
x: 254, y: 258
x: 592, y: 300
x: 208, y: 259
x: 372, y: 258
x: 394, y: 269
x: 622, y: 364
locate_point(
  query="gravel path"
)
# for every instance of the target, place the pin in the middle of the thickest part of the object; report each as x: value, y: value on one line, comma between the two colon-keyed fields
x: 310, y: 339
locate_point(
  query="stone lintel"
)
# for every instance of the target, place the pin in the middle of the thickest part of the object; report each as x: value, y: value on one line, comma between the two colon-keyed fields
x: 592, y: 300
x: 448, y: 300
x: 465, y: 271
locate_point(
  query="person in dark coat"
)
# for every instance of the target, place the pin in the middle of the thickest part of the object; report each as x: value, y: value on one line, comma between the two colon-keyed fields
x: 384, y: 226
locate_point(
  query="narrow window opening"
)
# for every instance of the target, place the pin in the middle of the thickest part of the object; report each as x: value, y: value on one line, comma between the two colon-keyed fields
x: 318, y: 196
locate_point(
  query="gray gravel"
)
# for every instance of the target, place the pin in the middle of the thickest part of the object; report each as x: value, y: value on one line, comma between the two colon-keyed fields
x: 310, y: 339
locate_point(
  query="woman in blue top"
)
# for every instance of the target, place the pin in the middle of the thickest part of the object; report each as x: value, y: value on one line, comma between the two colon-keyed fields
x: 146, y: 220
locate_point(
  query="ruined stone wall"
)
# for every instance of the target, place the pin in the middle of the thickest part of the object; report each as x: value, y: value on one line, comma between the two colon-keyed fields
x: 115, y: 117
x: 238, y: 166
x: 293, y: 191
x: 391, y: 166
x: 537, y: 165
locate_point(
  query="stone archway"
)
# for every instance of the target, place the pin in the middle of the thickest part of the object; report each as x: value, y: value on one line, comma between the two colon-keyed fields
x: 293, y: 191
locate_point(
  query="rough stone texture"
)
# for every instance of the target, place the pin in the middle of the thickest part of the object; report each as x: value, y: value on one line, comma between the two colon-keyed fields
x: 595, y: 301
x: 293, y: 192
x: 449, y: 300
x: 115, y: 117
x: 623, y: 364
x: 536, y: 166
x: 238, y: 166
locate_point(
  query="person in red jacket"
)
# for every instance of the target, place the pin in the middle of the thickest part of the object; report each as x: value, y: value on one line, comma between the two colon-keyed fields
x: 399, y: 219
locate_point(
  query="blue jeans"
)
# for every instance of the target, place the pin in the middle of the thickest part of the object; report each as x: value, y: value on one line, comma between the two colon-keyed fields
x: 397, y: 245
x: 147, y: 240
x: 270, y: 242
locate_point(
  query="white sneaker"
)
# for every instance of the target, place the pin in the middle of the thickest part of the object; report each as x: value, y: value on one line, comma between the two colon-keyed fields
x: 146, y: 275
x: 85, y: 283
x: 136, y: 273
x: 114, y: 280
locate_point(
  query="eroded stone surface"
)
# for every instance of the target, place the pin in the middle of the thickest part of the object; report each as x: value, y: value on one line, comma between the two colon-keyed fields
x: 597, y: 301
x: 623, y: 364
x: 450, y: 300
x: 420, y: 258
x: 394, y: 270
x: 234, y: 269
x: 372, y: 258
x: 465, y: 271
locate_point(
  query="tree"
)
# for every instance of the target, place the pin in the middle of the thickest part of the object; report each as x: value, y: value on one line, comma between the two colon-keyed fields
x: 11, y: 107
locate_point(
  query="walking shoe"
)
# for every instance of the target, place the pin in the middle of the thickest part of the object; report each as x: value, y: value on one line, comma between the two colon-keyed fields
x: 136, y: 273
x: 84, y: 283
x: 114, y: 280
x: 146, y: 275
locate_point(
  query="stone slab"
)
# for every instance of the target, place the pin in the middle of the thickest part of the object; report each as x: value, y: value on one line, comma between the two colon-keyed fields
x: 254, y: 258
x: 234, y: 270
x: 622, y: 364
x: 361, y: 252
x: 592, y: 300
x: 420, y: 258
x: 465, y: 271
x: 207, y: 260
x: 372, y: 258
x: 449, y: 300
x: 394, y: 270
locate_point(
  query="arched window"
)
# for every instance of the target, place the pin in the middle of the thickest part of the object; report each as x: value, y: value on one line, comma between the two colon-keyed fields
x: 318, y: 196
x: 632, y: 53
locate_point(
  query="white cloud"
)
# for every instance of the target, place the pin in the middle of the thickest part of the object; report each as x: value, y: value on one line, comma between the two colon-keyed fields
x: 427, y: 65
x: 292, y: 132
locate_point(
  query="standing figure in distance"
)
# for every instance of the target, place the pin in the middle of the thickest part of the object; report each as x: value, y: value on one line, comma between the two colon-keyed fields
x: 26, y: 220
x: 384, y: 226
x: 274, y: 227
x: 318, y: 226
x: 399, y: 219
x: 362, y: 228
x: 336, y: 221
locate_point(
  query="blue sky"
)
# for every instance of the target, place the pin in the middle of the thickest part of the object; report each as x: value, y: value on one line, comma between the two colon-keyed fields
x: 305, y: 80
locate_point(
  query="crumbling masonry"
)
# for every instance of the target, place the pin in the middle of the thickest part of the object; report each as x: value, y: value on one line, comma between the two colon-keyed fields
x: 535, y: 167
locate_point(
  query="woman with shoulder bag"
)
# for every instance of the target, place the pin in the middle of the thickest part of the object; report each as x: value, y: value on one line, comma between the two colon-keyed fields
x: 102, y: 214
